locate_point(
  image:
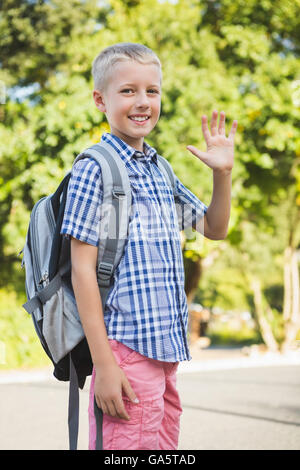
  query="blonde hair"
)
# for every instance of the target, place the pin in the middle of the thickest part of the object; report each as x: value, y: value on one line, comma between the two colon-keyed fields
x: 104, y: 62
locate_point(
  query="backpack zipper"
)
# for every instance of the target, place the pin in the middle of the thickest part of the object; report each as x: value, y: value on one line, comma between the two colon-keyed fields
x: 44, y: 278
x: 41, y: 279
x: 49, y: 215
x: 35, y: 245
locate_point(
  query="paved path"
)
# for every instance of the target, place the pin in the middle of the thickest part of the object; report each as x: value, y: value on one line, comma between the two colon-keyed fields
x: 253, y: 408
x: 226, y: 405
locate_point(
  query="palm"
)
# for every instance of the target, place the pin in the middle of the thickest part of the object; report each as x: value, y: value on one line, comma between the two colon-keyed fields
x: 219, y: 153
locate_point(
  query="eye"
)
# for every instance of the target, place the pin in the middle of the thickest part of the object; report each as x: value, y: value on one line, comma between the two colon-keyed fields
x: 151, y: 90
x: 126, y: 89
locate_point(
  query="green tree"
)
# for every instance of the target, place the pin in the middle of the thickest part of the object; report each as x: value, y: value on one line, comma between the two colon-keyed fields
x: 240, y: 56
x: 259, y: 43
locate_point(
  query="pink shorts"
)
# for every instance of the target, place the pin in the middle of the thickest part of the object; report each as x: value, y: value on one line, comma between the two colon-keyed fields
x: 154, y: 423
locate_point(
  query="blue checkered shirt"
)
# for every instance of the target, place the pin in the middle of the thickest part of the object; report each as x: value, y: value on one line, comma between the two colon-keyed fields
x: 146, y: 307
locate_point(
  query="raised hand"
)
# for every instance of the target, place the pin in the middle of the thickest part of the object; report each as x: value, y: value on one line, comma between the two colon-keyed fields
x: 219, y: 154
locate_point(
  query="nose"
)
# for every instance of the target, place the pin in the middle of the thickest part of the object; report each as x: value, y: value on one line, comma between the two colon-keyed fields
x: 142, y: 100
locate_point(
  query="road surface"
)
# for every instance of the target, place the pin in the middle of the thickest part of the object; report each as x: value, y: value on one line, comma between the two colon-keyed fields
x: 223, y: 408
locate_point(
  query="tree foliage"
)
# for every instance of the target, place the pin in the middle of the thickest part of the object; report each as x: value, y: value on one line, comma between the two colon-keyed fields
x: 240, y: 57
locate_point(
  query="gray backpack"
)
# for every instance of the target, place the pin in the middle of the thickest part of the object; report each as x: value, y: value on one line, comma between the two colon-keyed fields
x: 46, y: 257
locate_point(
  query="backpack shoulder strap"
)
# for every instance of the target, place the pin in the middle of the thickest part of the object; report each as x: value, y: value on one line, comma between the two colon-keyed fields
x: 115, y: 211
x: 168, y: 172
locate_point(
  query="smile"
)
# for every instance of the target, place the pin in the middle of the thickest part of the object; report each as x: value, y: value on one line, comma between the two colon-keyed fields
x: 139, y: 120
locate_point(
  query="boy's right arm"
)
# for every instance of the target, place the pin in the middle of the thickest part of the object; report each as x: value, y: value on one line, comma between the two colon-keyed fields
x: 110, y: 378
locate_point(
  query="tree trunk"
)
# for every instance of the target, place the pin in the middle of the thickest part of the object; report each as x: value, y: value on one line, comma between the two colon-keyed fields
x: 291, y: 311
x: 193, y: 271
x: 265, y: 327
x: 287, y: 284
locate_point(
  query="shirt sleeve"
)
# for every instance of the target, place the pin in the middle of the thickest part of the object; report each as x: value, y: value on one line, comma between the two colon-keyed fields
x: 189, y: 208
x: 83, y: 204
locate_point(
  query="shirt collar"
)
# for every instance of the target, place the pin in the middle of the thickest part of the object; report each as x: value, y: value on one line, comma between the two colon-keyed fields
x: 149, y: 152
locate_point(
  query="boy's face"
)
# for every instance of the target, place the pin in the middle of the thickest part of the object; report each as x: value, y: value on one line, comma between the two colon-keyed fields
x: 133, y: 90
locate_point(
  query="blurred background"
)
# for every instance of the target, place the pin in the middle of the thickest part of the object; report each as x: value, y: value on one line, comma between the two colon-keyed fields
x: 238, y: 56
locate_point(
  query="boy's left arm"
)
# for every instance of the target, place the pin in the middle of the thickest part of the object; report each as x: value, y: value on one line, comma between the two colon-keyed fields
x: 219, y: 157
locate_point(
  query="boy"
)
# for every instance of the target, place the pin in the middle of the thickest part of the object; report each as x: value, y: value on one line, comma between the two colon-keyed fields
x: 137, y: 343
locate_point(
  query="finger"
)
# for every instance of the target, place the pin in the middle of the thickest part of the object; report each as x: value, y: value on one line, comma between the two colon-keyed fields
x: 205, y: 129
x: 214, y: 122
x: 111, y: 408
x: 233, y: 130
x: 201, y: 155
x: 222, y: 123
x: 129, y: 391
x: 103, y: 407
x: 121, y: 410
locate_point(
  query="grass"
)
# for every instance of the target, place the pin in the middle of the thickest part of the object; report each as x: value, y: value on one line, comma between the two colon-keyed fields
x: 19, y: 345
x: 226, y: 336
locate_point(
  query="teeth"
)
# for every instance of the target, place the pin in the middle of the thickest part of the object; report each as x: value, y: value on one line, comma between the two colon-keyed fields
x: 139, y: 118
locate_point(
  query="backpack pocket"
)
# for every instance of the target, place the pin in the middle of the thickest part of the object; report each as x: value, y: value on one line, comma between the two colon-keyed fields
x: 62, y: 328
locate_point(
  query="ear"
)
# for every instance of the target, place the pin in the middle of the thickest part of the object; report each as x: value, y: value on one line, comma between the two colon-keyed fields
x: 99, y: 100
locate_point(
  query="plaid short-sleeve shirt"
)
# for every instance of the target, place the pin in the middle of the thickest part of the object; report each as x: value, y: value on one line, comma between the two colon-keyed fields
x: 146, y: 308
